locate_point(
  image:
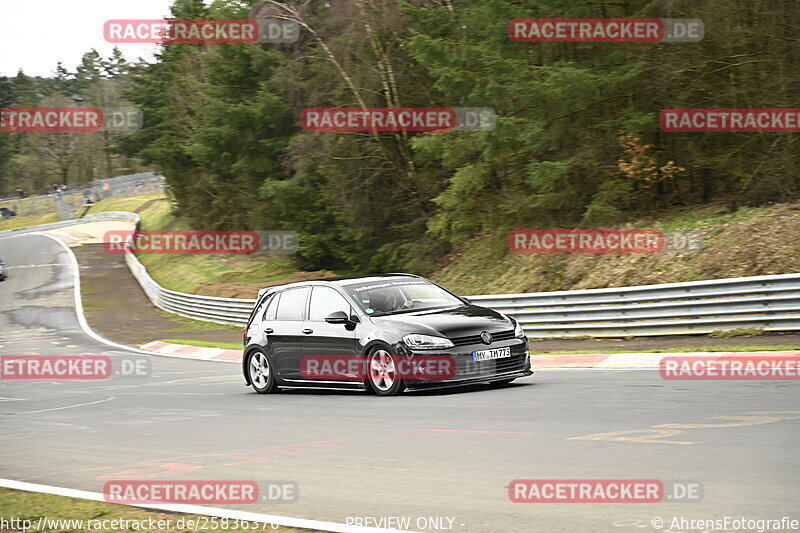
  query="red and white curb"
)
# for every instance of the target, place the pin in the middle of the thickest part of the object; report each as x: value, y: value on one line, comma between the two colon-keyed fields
x: 616, y: 361
x: 192, y: 352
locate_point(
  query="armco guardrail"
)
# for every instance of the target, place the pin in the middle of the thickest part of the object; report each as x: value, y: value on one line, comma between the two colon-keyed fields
x: 68, y: 202
x: 771, y: 303
x: 124, y: 216
x: 210, y: 308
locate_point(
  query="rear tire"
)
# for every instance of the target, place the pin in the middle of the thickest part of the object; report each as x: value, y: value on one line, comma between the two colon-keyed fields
x: 260, y: 373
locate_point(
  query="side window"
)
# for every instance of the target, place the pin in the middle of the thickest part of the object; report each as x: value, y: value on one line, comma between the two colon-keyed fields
x: 292, y: 305
x: 270, y: 307
x: 258, y: 312
x: 325, y: 301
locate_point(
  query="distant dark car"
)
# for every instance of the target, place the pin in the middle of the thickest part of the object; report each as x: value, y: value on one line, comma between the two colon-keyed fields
x: 385, y: 322
x: 6, y: 213
x: 3, y: 271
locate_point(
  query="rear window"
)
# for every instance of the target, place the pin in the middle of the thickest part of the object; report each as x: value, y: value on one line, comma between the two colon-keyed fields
x: 292, y: 305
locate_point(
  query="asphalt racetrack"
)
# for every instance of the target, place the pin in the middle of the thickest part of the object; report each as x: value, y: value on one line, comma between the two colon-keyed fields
x: 430, y: 457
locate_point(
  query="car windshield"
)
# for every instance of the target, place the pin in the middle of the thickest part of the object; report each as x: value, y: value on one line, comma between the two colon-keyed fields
x: 378, y: 298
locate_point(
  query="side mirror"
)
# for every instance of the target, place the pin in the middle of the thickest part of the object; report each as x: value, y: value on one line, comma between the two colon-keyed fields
x: 337, y: 317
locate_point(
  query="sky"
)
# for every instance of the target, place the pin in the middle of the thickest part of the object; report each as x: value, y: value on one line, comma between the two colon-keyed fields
x: 36, y: 34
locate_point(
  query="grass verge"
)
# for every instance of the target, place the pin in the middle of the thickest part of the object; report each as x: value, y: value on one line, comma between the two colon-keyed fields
x: 233, y: 275
x: 189, y: 324
x: 28, y: 220
x: 130, y: 203
x: 85, y: 514
x: 748, y: 242
x: 205, y: 344
x: 126, y: 203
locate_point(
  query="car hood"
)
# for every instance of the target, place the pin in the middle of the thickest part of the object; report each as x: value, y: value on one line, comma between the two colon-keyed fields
x: 450, y: 322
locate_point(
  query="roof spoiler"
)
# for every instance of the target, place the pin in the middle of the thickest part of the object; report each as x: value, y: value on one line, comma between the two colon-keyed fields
x: 262, y: 290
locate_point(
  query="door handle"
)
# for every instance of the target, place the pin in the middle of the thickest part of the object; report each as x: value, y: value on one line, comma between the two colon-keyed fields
x: 268, y: 330
x: 308, y: 331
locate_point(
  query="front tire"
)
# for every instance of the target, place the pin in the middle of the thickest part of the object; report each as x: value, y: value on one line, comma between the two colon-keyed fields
x: 384, y: 373
x: 260, y: 373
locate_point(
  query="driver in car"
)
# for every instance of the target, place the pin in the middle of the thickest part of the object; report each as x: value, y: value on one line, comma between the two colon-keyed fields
x: 392, y: 300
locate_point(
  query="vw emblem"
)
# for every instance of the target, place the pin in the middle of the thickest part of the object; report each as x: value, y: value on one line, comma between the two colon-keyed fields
x: 486, y: 337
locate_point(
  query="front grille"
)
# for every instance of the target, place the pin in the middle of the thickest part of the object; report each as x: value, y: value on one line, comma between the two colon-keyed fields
x: 476, y: 339
x: 467, y: 368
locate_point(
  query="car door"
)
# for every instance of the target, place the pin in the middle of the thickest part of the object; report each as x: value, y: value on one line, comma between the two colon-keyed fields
x: 329, y: 340
x: 286, y: 337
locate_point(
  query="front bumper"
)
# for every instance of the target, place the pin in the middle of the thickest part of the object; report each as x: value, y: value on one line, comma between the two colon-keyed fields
x: 442, y: 384
x: 467, y: 371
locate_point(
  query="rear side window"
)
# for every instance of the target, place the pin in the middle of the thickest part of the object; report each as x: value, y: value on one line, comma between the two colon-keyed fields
x: 269, y: 309
x: 260, y: 311
x: 292, y: 305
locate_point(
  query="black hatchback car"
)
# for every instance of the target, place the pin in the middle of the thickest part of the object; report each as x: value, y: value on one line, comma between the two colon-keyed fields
x: 385, y: 333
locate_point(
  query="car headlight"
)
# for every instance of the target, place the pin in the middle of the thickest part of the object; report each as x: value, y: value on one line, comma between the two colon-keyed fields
x: 426, y: 342
x: 518, y: 331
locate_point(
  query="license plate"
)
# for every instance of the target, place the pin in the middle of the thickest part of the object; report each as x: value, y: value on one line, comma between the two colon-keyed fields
x: 494, y: 353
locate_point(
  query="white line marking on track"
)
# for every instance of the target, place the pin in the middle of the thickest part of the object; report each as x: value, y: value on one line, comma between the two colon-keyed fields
x: 79, y: 305
x: 202, y: 510
x: 184, y: 372
x: 179, y: 393
x: 65, y: 407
